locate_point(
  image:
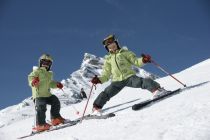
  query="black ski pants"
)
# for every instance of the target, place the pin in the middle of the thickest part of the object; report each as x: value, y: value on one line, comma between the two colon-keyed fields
x: 115, y: 87
x: 41, y: 108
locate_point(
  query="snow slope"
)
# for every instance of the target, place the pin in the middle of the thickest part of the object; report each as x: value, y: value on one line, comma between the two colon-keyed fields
x: 184, y: 116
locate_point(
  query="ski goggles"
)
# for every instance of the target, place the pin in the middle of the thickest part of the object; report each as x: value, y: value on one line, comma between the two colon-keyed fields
x: 46, y: 62
x: 109, y: 41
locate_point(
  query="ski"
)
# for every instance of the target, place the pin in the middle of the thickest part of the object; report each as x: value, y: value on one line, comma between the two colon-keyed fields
x: 67, y: 124
x: 29, y: 135
x: 151, y: 101
x: 89, y: 116
x: 70, y: 123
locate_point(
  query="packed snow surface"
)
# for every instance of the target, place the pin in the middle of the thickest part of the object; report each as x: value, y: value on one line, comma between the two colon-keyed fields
x: 184, y: 116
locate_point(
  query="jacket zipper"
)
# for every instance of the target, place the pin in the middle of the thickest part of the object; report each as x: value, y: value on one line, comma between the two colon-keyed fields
x: 117, y: 64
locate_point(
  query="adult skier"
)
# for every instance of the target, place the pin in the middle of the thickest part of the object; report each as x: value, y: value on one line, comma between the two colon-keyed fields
x: 41, y: 80
x: 117, y: 66
x: 83, y: 94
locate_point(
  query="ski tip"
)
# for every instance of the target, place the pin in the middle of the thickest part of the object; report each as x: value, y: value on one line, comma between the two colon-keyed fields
x: 111, y: 115
x: 134, y: 107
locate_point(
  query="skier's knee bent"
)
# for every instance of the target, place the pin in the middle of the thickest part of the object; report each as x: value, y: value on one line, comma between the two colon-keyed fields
x: 101, y: 100
x: 150, y: 84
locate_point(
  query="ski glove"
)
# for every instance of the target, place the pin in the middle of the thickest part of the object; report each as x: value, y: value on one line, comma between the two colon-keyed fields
x: 35, y: 82
x: 146, y: 58
x: 59, y: 85
x: 95, y: 80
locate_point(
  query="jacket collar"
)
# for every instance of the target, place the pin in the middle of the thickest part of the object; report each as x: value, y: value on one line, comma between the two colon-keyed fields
x: 120, y: 50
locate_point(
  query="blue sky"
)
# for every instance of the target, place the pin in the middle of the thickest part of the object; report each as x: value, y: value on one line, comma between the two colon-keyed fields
x: 176, y: 33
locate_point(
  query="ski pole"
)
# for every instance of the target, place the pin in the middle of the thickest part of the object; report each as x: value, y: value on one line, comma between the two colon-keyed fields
x: 35, y: 110
x: 158, y: 66
x: 87, y: 104
x: 77, y: 112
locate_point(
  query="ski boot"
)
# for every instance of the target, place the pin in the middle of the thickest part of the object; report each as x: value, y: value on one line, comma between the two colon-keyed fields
x: 41, y: 127
x: 96, y: 111
x: 159, y: 92
x: 57, y: 121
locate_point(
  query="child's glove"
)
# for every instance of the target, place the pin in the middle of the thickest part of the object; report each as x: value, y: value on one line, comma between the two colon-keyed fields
x: 35, y: 82
x: 59, y: 85
x: 146, y: 58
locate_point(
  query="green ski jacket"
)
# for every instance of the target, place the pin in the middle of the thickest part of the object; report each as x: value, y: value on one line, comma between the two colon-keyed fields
x: 45, y: 82
x: 118, y: 66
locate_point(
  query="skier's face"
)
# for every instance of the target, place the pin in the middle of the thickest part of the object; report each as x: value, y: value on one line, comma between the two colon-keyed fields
x: 46, y: 63
x: 112, y: 47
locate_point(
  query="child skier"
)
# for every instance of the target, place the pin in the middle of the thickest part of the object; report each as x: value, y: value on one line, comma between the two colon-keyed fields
x: 41, y: 80
x: 117, y: 66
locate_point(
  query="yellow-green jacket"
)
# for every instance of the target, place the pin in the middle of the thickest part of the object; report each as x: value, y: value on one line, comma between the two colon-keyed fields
x: 118, y: 66
x: 45, y: 82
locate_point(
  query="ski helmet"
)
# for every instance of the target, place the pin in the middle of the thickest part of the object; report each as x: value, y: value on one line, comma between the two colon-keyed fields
x: 110, y: 39
x: 45, y: 59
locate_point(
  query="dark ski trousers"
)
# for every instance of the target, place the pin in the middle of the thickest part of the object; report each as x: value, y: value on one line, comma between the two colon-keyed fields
x: 83, y: 94
x: 115, y: 87
x: 41, y: 108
